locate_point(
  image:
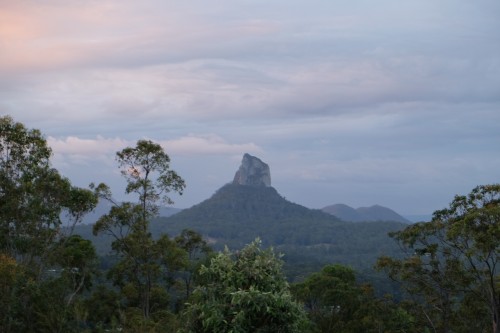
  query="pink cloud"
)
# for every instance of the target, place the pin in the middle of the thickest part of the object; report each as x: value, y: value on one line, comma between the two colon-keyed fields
x: 86, y: 147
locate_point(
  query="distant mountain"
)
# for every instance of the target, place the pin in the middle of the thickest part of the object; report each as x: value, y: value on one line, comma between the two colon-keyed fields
x: 248, y: 207
x: 236, y: 214
x: 168, y: 211
x: 345, y: 213
x: 364, y: 214
x: 103, y: 207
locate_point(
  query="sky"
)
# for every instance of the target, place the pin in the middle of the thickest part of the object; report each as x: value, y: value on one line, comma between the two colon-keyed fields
x: 386, y: 102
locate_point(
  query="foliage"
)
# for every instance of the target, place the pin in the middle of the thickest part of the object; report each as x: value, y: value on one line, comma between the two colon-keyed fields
x: 48, y: 268
x: 77, y: 260
x: 336, y: 303
x: 33, y: 196
x: 10, y: 274
x: 243, y: 292
x: 146, y: 168
x: 197, y: 251
x: 451, y: 267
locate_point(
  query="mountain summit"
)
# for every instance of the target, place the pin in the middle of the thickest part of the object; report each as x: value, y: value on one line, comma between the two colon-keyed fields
x: 253, y: 172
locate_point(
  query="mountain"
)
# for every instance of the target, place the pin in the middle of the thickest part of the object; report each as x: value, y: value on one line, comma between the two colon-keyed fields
x: 247, y: 208
x: 344, y: 212
x: 168, y: 211
x: 364, y: 214
x: 250, y: 207
x: 237, y: 214
x: 103, y: 208
x: 380, y: 213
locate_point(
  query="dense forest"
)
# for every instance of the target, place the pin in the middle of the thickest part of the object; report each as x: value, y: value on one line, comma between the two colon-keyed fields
x: 160, y: 276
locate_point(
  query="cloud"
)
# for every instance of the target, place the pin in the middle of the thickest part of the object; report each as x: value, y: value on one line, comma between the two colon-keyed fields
x: 83, y: 151
x: 189, y: 62
x: 359, y: 93
x: 208, y: 144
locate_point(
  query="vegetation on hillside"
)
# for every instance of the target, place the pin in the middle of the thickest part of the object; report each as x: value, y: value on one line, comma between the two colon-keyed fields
x: 235, y: 215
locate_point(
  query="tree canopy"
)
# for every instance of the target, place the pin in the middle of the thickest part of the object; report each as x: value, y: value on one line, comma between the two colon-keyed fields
x: 49, y: 267
x: 244, y: 291
x: 451, y: 263
x: 146, y: 265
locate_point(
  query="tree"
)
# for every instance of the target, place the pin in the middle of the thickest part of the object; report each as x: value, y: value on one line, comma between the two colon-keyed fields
x: 10, y: 276
x: 196, y: 249
x: 146, y: 168
x: 330, y: 296
x: 451, y: 263
x: 77, y: 259
x: 33, y: 197
x: 336, y: 303
x: 243, y: 292
x: 145, y: 263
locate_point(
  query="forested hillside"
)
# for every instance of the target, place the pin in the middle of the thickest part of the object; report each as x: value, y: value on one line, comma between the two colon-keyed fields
x: 237, y: 214
x: 309, y: 239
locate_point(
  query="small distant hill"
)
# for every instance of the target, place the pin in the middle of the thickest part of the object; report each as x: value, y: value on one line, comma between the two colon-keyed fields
x: 103, y: 208
x: 168, y: 211
x: 364, y: 214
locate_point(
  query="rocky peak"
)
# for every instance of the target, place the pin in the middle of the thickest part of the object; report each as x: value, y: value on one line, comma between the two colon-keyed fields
x: 252, y: 172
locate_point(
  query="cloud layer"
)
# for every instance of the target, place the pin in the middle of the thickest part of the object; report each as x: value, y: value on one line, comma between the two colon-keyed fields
x: 395, y: 103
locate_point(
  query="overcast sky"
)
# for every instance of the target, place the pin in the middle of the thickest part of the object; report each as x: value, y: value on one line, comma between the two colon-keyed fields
x: 394, y: 103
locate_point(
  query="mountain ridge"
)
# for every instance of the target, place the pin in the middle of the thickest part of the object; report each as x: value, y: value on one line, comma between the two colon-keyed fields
x: 364, y: 214
x: 244, y: 212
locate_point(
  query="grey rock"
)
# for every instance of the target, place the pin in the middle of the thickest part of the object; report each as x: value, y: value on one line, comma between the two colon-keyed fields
x: 253, y: 172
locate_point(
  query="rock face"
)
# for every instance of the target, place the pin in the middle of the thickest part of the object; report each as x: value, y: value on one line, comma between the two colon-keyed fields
x: 253, y: 172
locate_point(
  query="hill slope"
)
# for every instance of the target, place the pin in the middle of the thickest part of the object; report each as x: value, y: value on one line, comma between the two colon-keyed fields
x: 237, y: 214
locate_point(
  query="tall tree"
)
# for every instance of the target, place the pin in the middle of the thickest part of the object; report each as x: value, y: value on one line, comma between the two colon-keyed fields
x: 197, y: 250
x: 335, y: 302
x: 452, y: 261
x: 145, y: 262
